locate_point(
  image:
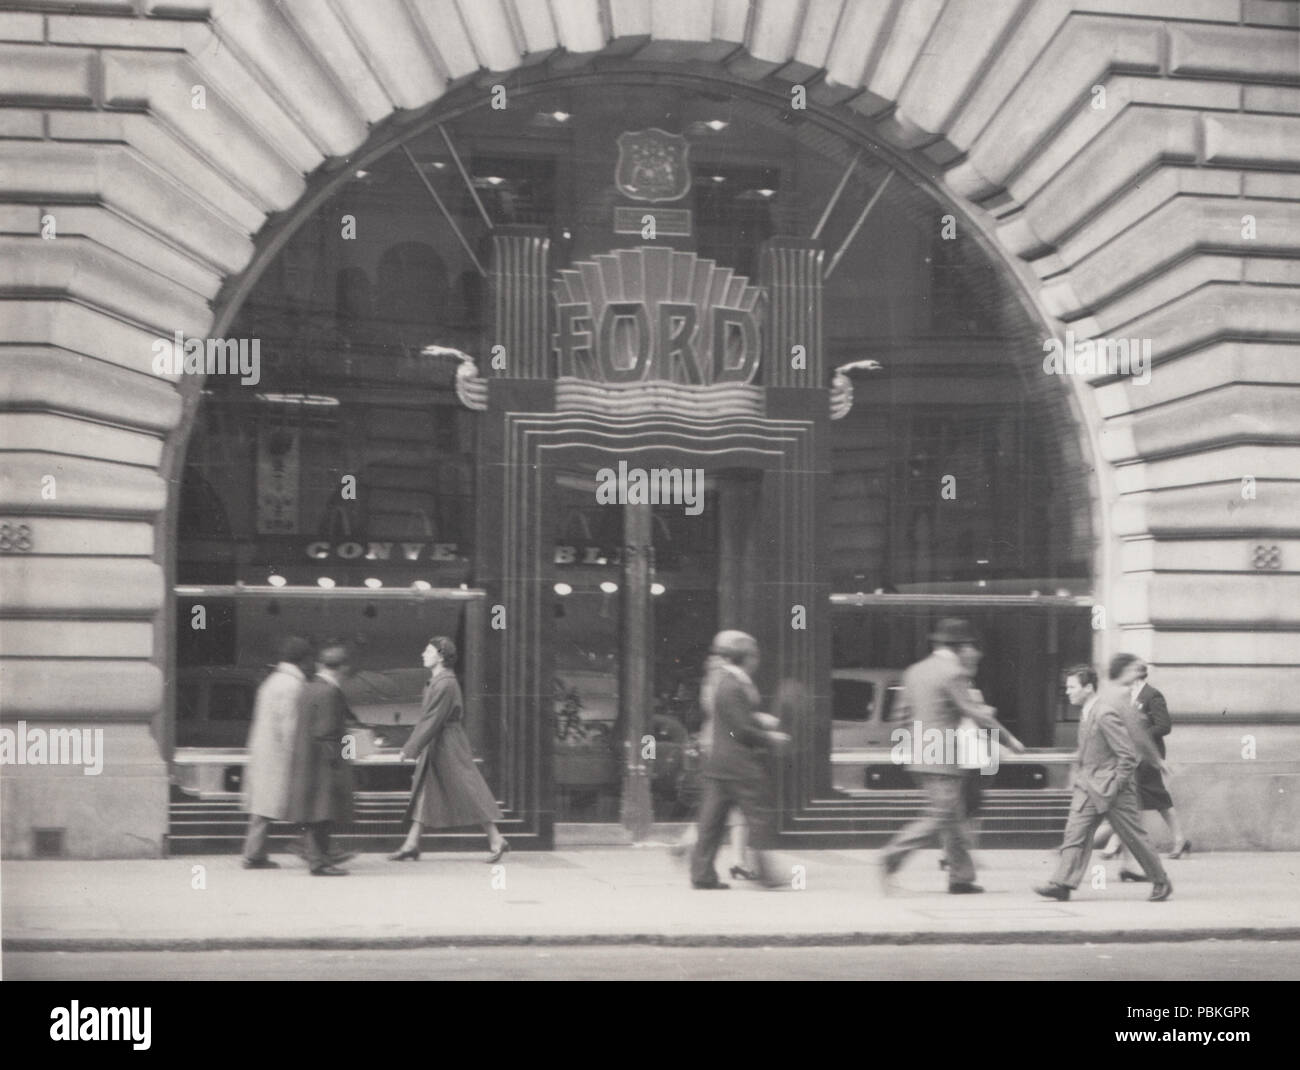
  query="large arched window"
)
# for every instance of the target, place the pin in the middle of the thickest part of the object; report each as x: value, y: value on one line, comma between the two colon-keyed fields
x: 352, y: 461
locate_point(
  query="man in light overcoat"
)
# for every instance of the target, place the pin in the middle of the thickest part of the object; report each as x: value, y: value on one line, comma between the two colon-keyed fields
x: 270, y: 747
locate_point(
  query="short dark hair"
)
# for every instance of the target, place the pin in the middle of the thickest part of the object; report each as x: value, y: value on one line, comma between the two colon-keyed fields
x: 334, y: 653
x: 1120, y: 662
x: 1085, y: 674
x: 295, y: 649
x: 446, y: 648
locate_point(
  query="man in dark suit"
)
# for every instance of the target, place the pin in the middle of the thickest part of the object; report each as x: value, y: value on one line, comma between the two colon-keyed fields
x: 321, y: 791
x: 1111, y: 743
x: 936, y: 697
x: 737, y: 772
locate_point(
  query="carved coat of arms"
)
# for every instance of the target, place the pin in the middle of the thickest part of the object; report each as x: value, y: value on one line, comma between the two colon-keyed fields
x: 652, y: 165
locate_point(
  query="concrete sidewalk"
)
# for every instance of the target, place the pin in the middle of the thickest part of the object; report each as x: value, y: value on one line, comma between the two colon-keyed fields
x: 621, y: 896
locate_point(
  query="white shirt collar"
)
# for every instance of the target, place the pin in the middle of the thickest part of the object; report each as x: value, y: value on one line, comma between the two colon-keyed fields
x: 738, y: 672
x: 330, y: 676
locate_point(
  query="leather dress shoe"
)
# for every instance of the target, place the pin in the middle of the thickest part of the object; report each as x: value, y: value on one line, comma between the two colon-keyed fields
x: 329, y: 870
x: 260, y: 863
x: 1161, y: 891
x: 964, y: 888
x: 1054, y: 891
x: 709, y: 886
x: 1129, y: 875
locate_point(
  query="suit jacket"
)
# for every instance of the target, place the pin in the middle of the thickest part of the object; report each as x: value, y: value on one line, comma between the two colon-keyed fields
x: 1111, y: 743
x: 271, y: 742
x: 739, y: 743
x: 1154, y: 711
x: 936, y: 692
x: 322, y: 780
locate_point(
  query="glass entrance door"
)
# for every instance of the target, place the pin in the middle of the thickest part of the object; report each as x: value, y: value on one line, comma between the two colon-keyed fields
x: 635, y: 606
x: 586, y: 741
x: 684, y: 597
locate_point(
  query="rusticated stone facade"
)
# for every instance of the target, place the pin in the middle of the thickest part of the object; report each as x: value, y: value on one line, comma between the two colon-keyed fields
x: 1137, y: 162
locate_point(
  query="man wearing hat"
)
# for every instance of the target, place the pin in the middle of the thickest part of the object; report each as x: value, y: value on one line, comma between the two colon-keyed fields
x: 936, y: 695
x: 320, y: 791
x: 737, y: 773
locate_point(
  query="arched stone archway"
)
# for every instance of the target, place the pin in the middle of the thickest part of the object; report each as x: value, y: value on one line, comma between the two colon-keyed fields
x: 1135, y: 164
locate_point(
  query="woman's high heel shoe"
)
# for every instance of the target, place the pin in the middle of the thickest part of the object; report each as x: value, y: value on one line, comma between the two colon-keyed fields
x: 413, y: 853
x: 499, y: 853
x: 740, y: 873
x: 1184, y: 848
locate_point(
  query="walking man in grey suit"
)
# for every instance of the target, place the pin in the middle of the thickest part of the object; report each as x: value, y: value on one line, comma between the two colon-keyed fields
x: 936, y: 692
x: 1111, y: 743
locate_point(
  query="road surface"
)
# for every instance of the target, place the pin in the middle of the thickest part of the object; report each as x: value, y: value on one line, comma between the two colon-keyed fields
x: 1200, y: 960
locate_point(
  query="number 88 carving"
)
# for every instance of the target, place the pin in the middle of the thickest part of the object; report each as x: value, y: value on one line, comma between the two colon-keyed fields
x: 15, y: 537
x: 1267, y: 557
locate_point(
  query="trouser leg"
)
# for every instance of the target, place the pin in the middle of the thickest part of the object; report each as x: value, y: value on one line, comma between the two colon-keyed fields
x: 714, y: 806
x: 318, y: 844
x: 954, y: 832
x: 1126, y: 819
x: 921, y: 831
x: 255, y: 841
x: 755, y: 802
x: 1076, y: 847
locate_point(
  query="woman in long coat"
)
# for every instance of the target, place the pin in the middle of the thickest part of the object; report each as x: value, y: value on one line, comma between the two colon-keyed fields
x: 448, y: 791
